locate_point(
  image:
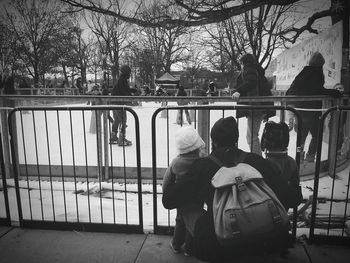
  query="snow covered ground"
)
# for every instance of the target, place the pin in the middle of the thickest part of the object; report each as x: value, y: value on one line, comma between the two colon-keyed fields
x: 38, y: 201
x: 46, y: 143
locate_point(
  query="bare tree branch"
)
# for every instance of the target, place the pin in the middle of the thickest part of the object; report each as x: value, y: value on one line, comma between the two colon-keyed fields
x: 197, y: 12
x: 307, y: 27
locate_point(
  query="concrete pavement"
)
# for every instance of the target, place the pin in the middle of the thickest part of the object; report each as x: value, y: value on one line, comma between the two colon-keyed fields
x: 19, y: 245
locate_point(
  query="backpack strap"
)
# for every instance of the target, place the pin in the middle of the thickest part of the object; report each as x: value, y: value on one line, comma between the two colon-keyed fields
x: 240, y: 159
x: 216, y: 160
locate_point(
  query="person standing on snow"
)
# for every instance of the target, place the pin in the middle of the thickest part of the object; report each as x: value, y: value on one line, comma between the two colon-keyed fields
x: 179, y: 118
x: 252, y: 82
x: 310, y: 81
x: 122, y: 88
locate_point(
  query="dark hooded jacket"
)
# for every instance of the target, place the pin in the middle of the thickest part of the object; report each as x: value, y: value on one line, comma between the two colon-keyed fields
x: 252, y: 82
x: 8, y: 84
x: 310, y: 81
x: 122, y: 88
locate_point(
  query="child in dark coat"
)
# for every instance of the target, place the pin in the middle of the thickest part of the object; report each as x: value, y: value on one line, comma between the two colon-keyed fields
x: 188, y: 144
x: 274, y: 142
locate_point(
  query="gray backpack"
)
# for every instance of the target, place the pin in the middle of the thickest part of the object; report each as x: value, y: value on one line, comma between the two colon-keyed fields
x: 244, y: 207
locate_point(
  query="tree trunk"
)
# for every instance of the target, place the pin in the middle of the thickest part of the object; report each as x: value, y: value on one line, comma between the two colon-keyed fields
x: 114, y: 72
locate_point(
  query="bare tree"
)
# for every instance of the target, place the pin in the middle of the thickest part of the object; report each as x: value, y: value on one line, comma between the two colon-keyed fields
x: 257, y: 31
x: 112, y: 35
x: 193, y: 64
x: 83, y: 48
x: 36, y: 26
x: 166, y: 45
x: 8, y: 50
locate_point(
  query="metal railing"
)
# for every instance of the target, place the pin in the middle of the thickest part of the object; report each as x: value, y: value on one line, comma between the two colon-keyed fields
x: 330, y: 213
x: 46, y: 142
x: 206, y: 116
x: 34, y: 180
x: 5, y: 219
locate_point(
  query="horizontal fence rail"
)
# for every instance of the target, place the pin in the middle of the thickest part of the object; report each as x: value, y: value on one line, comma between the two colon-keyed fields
x: 51, y: 139
x: 203, y: 118
x: 330, y: 215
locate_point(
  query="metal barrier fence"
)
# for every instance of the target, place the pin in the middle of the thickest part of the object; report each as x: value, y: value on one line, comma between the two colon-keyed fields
x: 203, y: 119
x: 5, y: 219
x: 330, y: 215
x: 36, y: 178
x: 46, y: 143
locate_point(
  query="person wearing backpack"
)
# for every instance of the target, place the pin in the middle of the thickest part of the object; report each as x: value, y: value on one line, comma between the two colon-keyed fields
x: 251, y: 81
x: 198, y: 187
x: 274, y: 142
x: 310, y: 81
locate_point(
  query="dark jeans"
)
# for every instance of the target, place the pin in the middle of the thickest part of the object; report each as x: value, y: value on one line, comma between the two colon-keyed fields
x: 310, y: 121
x: 119, y: 120
x: 181, y: 234
x: 179, y: 117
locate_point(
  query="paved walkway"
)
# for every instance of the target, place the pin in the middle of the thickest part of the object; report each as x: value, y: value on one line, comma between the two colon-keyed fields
x: 27, y: 245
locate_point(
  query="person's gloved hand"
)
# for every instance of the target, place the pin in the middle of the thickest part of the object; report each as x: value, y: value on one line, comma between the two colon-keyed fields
x: 236, y: 95
x: 339, y: 87
x: 292, y: 124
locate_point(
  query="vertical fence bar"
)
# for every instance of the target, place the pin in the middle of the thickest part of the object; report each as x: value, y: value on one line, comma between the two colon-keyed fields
x: 124, y: 164
x: 86, y: 165
x: 154, y: 171
x: 15, y: 167
x: 99, y: 157
x: 138, y: 159
x: 105, y: 145
x: 37, y: 165
x: 167, y: 145
x: 7, y: 220
x: 73, y: 157
x: 346, y: 203
x: 112, y: 172
x: 317, y: 175
x: 50, y: 172
x: 62, y: 171
x: 297, y: 159
x: 334, y: 170
x: 26, y: 168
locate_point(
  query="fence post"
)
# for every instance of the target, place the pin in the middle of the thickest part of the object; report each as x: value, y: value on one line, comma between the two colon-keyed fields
x: 105, y: 145
x: 99, y: 145
x: 5, y: 139
x: 333, y: 140
x: 203, y: 127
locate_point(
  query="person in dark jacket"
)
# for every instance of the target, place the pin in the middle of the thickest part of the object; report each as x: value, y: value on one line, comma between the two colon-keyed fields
x: 7, y: 83
x: 212, y: 89
x: 197, y: 187
x: 310, y: 81
x: 252, y: 82
x: 179, y: 118
x: 274, y: 142
x: 122, y: 88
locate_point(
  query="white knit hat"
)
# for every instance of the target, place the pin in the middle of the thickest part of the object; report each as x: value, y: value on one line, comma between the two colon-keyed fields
x: 187, y: 140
